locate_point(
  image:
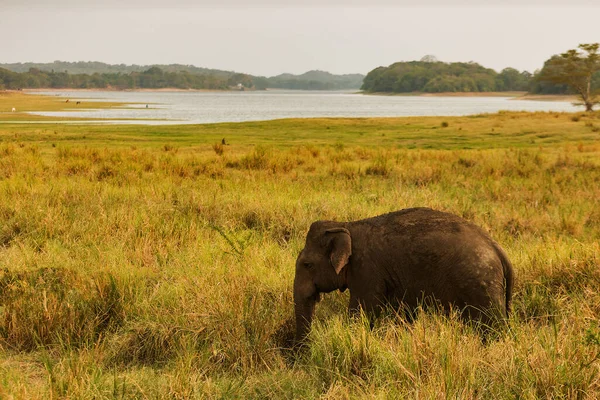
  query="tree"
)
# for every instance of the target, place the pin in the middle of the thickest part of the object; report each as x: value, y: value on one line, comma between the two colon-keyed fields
x: 509, y: 79
x: 575, y: 68
x: 429, y: 58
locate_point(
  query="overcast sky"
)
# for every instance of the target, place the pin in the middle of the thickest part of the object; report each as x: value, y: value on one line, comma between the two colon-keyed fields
x: 270, y: 37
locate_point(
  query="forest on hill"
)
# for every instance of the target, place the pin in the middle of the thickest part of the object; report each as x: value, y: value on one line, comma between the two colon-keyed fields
x: 96, y: 75
x: 316, y: 80
x: 93, y: 67
x: 438, y: 77
x: 153, y: 78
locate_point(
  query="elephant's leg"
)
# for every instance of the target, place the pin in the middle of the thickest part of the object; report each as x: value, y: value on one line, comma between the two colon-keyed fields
x: 353, y: 306
x: 370, y: 307
x: 488, y: 319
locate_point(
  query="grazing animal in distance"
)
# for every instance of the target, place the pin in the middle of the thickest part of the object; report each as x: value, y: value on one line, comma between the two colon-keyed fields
x: 14, y: 109
x: 78, y: 103
x: 406, y: 259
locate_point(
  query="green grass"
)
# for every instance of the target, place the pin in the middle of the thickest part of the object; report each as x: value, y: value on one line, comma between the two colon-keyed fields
x: 151, y: 262
x: 24, y: 103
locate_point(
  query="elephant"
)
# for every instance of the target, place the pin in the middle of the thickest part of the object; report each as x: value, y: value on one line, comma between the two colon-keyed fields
x: 404, y: 259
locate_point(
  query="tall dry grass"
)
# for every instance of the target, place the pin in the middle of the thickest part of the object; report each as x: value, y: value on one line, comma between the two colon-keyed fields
x: 166, y: 271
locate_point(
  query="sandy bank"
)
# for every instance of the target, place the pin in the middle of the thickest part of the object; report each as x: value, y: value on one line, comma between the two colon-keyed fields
x: 548, y: 97
x: 121, y: 90
x: 513, y: 95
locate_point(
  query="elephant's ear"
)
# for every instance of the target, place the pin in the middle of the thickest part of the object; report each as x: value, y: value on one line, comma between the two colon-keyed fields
x: 340, y: 247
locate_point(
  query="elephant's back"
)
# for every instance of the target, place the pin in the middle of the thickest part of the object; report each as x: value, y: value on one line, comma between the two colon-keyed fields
x: 421, y: 221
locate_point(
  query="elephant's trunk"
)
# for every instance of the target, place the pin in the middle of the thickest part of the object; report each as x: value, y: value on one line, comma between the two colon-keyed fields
x: 304, y: 304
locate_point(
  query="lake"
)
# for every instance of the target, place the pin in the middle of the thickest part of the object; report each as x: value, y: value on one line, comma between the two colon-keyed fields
x: 210, y: 107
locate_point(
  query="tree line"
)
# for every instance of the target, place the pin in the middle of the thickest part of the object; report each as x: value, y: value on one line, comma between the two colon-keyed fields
x: 156, y: 78
x: 153, y: 78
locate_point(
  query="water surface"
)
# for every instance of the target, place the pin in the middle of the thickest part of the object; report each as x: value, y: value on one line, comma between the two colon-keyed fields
x: 211, y: 107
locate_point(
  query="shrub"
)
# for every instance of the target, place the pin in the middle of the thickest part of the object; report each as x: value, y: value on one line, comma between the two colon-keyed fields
x: 218, y: 148
x: 257, y: 159
x: 380, y: 166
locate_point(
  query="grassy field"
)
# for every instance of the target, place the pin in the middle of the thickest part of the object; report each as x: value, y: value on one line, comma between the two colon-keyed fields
x: 154, y: 262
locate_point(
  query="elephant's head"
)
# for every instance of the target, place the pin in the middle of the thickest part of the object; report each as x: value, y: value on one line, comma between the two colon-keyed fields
x: 319, y: 268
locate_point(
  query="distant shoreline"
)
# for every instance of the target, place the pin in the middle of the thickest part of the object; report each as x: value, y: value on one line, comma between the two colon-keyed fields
x: 512, y: 95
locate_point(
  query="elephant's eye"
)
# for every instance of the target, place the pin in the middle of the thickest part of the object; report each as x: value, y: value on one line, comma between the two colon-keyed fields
x: 307, y: 265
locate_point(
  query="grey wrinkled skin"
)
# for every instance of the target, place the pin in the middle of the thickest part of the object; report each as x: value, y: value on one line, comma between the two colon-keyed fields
x: 404, y: 259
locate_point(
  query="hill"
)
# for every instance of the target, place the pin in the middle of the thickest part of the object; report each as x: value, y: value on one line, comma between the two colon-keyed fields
x: 97, y: 67
x: 435, y: 77
x: 94, y: 74
x: 316, y: 80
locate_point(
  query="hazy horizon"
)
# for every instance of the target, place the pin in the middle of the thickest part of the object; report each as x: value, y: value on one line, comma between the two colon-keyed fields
x: 268, y: 38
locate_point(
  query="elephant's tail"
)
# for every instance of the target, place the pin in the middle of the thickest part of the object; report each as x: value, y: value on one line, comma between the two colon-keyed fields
x: 508, y: 276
